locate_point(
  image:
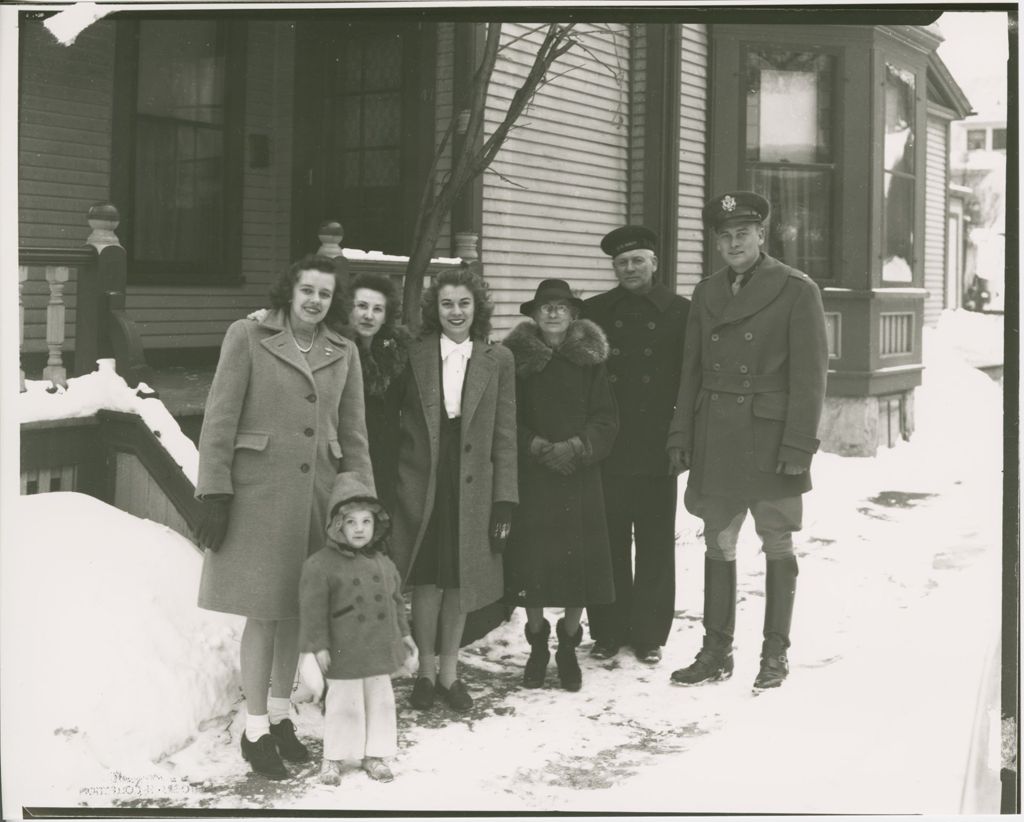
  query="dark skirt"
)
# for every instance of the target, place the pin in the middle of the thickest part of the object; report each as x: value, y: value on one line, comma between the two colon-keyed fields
x: 437, y: 561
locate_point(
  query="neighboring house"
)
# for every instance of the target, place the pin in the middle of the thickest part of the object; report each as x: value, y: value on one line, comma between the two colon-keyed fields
x: 225, y: 139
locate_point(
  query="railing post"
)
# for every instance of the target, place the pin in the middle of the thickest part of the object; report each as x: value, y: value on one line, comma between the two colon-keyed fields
x: 330, y: 233
x: 92, y: 341
x: 22, y: 277
x: 56, y: 278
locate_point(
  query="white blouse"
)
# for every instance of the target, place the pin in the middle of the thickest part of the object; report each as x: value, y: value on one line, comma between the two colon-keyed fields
x: 454, y: 359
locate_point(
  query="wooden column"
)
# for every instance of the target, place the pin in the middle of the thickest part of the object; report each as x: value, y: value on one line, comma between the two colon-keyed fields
x: 56, y: 279
x: 467, y: 211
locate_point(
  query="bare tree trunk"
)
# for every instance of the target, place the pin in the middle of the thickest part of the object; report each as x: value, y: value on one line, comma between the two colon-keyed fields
x: 436, y: 202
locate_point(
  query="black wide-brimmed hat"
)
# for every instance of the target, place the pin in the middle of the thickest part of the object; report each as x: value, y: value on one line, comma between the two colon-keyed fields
x: 735, y: 207
x: 628, y: 238
x: 550, y: 290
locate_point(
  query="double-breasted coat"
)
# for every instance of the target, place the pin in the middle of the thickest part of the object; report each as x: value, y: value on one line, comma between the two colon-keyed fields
x: 277, y: 430
x: 558, y: 552
x: 487, y: 449
x: 646, y: 333
x: 752, y: 384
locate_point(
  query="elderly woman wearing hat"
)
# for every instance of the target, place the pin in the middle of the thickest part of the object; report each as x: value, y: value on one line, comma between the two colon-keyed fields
x: 567, y: 422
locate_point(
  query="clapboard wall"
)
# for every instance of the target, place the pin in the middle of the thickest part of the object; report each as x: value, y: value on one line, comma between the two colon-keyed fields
x: 936, y: 187
x: 693, y: 134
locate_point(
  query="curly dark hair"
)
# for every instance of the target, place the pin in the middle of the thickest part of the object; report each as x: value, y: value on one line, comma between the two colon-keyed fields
x: 382, y: 284
x: 483, y: 308
x: 281, y: 292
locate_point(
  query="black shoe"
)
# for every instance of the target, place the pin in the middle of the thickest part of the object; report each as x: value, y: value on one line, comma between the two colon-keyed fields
x: 774, y: 669
x: 711, y: 665
x: 422, y: 696
x: 604, y: 649
x: 540, y: 655
x: 288, y: 744
x: 263, y: 756
x: 455, y: 695
x: 648, y: 654
x: 569, y: 675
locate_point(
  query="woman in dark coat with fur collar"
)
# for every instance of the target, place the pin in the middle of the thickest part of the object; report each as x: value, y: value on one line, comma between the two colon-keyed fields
x: 567, y: 421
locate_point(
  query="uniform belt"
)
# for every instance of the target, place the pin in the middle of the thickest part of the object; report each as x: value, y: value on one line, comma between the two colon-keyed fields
x: 744, y: 383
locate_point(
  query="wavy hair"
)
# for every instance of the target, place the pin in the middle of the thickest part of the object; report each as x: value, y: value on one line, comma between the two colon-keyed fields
x: 281, y: 291
x: 383, y: 285
x: 483, y: 308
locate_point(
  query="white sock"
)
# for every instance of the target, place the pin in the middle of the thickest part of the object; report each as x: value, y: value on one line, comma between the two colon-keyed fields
x: 256, y: 726
x: 278, y: 708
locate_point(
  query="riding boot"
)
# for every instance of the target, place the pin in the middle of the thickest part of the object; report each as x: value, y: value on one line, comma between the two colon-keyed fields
x: 714, y: 659
x: 569, y: 674
x: 780, y: 591
x: 536, y: 665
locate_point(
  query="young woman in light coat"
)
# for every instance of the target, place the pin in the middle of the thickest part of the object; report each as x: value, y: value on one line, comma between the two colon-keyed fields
x: 284, y: 415
x: 457, y: 481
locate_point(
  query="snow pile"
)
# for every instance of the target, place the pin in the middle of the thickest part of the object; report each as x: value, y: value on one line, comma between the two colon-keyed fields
x: 114, y: 666
x: 105, y: 389
x: 976, y: 337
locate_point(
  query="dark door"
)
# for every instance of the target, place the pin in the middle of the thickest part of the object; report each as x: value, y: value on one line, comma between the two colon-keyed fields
x: 364, y: 130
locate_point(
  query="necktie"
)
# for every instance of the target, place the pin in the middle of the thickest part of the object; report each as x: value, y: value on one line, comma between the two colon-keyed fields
x: 737, y: 284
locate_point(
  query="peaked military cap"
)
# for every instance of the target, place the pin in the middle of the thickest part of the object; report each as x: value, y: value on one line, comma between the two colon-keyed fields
x: 628, y: 238
x: 735, y: 206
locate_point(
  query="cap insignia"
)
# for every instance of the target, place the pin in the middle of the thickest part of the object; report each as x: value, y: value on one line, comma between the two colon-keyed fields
x: 728, y: 203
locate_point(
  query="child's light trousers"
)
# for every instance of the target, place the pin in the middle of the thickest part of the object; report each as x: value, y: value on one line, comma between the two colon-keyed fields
x: 359, y: 718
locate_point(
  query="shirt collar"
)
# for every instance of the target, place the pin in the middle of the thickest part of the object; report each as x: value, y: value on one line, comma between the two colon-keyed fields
x: 750, y: 272
x: 448, y: 347
x: 659, y: 296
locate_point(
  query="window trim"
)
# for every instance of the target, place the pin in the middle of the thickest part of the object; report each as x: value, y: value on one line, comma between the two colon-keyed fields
x: 227, y: 271
x: 838, y: 53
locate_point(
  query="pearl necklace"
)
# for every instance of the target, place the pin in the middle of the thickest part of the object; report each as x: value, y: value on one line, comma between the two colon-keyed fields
x: 309, y: 348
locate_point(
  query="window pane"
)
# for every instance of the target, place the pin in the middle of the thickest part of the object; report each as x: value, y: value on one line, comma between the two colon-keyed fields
x: 798, y: 230
x: 383, y: 66
x: 976, y: 139
x: 383, y: 117
x: 898, y: 240
x: 999, y: 139
x: 789, y: 103
x: 181, y: 74
x: 899, y: 119
x: 380, y: 168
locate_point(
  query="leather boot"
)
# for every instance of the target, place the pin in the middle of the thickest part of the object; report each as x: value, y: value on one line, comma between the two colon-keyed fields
x: 569, y: 674
x: 714, y: 659
x: 780, y: 591
x: 536, y: 665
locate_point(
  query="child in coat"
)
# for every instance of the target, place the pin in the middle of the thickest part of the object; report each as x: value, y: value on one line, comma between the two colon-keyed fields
x: 353, y: 621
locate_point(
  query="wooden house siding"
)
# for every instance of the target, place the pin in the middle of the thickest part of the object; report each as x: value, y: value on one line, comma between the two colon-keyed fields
x: 444, y: 101
x: 637, y: 122
x: 936, y: 183
x: 693, y: 136
x: 562, y: 179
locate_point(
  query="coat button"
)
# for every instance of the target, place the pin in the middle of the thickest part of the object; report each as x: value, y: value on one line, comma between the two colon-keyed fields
x: 376, y: 577
x: 716, y: 367
x: 356, y: 581
x: 645, y: 379
x: 743, y: 369
x: 613, y: 378
x: 308, y: 432
x: 469, y: 479
x: 618, y: 323
x: 362, y: 617
x: 359, y: 599
x: 746, y: 383
x: 648, y: 352
x: 378, y: 597
x: 380, y: 615
x: 714, y: 396
x: 714, y: 338
x: 748, y: 336
x: 311, y: 397
x: 615, y: 352
x: 304, y: 468
x: 740, y: 399
x: 468, y: 448
x: 652, y: 325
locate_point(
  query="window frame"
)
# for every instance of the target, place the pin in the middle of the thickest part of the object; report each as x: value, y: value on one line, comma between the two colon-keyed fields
x: 976, y: 131
x: 226, y: 269
x: 838, y: 54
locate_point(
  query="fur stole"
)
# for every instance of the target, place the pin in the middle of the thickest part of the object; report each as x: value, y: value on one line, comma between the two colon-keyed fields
x: 387, y: 358
x: 585, y: 344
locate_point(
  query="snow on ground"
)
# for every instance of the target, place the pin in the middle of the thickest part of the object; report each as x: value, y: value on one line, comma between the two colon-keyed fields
x: 132, y: 691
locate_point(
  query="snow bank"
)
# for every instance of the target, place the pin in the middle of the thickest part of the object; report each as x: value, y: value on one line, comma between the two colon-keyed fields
x: 114, y: 666
x: 105, y: 389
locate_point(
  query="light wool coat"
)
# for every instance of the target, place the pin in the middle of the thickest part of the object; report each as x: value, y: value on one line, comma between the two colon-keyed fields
x: 489, y: 463
x: 277, y: 430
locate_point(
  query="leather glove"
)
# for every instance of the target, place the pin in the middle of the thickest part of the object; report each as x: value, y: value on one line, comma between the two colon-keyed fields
x: 561, y: 458
x: 678, y: 460
x: 213, y: 525
x: 789, y: 469
x: 501, y: 525
x: 538, y: 447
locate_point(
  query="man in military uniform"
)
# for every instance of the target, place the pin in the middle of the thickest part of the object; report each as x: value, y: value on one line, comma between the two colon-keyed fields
x: 646, y: 324
x: 745, y: 424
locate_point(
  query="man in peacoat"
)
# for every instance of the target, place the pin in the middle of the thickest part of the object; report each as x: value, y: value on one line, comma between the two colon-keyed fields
x: 645, y: 324
x: 746, y: 421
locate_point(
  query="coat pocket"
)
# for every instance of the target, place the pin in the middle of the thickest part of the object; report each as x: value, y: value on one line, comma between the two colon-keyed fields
x: 249, y: 462
x: 769, y: 413
x: 342, y: 611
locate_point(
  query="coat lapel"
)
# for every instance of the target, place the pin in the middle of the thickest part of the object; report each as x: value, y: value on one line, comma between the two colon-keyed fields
x: 755, y: 295
x: 328, y: 348
x: 281, y: 344
x: 425, y: 363
x: 481, y: 369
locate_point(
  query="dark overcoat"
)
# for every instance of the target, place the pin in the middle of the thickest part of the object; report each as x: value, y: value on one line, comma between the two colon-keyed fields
x: 276, y: 431
x: 646, y: 334
x: 753, y: 383
x: 488, y: 458
x: 558, y: 553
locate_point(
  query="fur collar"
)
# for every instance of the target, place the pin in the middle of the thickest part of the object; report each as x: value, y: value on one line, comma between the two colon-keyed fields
x: 386, y: 359
x: 585, y: 345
